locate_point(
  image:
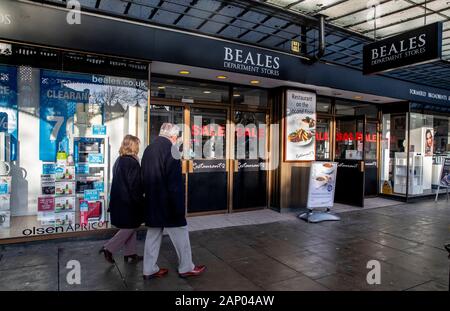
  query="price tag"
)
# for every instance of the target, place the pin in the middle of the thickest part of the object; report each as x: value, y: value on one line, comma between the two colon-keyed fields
x: 99, y: 130
x: 91, y: 195
x: 95, y: 158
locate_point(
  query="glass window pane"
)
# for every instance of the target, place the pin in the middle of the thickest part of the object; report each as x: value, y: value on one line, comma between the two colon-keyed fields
x: 324, y: 104
x: 323, y: 139
x: 188, y: 91
x: 394, y: 145
x: 250, y: 96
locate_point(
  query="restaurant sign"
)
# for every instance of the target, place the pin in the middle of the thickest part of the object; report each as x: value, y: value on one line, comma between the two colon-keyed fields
x: 300, y: 126
x: 417, y: 46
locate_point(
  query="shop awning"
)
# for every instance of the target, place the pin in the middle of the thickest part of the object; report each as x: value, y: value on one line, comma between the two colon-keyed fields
x: 275, y: 23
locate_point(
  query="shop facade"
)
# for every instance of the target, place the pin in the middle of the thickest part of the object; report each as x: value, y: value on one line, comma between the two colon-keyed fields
x: 66, y: 104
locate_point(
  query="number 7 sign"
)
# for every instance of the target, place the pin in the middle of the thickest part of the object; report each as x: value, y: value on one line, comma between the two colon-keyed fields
x: 59, y: 122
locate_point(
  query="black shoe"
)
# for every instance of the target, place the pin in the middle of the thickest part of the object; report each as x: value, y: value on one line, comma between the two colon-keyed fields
x: 108, y: 255
x: 132, y: 258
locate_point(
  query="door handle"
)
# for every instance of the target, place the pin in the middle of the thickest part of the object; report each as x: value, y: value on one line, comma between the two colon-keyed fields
x: 236, y: 166
x: 362, y: 166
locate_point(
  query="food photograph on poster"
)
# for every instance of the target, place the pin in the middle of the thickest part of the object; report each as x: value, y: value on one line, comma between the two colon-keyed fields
x: 300, y: 127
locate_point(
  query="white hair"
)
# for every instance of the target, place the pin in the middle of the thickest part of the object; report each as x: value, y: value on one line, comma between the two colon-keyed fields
x: 169, y: 130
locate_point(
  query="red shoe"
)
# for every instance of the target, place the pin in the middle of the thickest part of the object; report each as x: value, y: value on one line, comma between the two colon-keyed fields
x: 162, y: 272
x: 196, y: 272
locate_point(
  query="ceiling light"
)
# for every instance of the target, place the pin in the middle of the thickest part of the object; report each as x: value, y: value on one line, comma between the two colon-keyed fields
x: 221, y: 77
x: 254, y: 82
x: 161, y: 87
x: 206, y: 92
x: 184, y: 72
x: 236, y: 95
x: 357, y: 97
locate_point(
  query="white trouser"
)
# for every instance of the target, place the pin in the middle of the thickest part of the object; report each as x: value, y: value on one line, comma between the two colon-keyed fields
x: 180, y: 240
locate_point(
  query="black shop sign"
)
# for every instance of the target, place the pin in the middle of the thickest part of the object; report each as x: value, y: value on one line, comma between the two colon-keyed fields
x: 417, y: 46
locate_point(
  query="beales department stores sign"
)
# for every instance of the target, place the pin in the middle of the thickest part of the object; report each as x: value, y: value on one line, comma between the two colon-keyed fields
x: 251, y: 61
x: 413, y: 47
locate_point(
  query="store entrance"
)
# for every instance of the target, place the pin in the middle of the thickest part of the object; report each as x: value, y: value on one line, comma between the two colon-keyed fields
x: 249, y: 178
x: 207, y: 177
x: 356, y: 144
x: 224, y: 142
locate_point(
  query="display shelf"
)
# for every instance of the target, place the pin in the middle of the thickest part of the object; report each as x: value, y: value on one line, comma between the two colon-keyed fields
x: 415, y: 172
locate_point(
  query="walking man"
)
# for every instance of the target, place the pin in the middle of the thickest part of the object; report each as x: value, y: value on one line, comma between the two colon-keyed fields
x: 164, y: 204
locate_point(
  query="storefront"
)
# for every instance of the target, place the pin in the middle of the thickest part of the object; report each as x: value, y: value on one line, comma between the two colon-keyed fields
x: 415, y: 143
x: 66, y: 104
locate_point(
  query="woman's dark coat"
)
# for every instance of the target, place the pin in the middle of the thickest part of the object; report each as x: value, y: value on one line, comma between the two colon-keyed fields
x: 163, y: 186
x: 126, y: 198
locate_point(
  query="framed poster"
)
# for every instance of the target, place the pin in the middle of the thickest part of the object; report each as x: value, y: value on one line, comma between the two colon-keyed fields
x: 300, y: 126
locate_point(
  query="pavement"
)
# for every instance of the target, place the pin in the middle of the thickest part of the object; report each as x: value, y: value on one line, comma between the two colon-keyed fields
x: 288, y: 254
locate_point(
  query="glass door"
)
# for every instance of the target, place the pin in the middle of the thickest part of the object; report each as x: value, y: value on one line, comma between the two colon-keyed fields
x: 249, y: 180
x: 371, y: 157
x: 349, y: 143
x: 207, y: 182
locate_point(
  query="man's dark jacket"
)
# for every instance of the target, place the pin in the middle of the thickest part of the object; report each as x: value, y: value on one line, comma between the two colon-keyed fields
x: 126, y: 200
x: 163, y: 186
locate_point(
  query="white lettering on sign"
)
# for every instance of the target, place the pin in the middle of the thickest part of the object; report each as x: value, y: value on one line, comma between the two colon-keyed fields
x: 251, y: 62
x: 68, y: 95
x: 4, y: 90
x: 437, y: 96
x: 5, y: 19
x: 398, y: 50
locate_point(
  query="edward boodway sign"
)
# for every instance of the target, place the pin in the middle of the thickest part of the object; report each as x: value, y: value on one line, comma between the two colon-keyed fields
x: 413, y: 47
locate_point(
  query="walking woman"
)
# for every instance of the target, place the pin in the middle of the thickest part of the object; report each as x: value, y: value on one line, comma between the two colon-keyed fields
x: 126, y: 202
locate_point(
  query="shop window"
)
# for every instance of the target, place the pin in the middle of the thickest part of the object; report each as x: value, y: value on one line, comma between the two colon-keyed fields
x: 323, y: 139
x: 164, y: 114
x: 61, y: 135
x: 429, y: 136
x: 324, y: 104
x: 394, y: 147
x: 351, y: 108
x: 250, y: 96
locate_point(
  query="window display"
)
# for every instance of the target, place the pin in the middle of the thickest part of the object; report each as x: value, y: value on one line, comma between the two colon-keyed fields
x: 393, y: 143
x: 59, y: 181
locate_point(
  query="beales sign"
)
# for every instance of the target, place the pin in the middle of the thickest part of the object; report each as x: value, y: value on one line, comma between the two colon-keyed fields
x: 251, y: 62
x: 413, y: 47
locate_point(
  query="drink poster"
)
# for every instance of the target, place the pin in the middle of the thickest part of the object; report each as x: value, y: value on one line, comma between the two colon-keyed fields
x: 300, y: 126
x: 322, y: 184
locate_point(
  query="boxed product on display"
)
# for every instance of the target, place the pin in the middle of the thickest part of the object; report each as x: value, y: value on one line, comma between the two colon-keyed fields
x: 48, y: 168
x: 48, y: 184
x: 91, y: 211
x: 5, y: 184
x: 46, y: 219
x: 4, y: 202
x: 5, y: 220
x: 62, y: 219
x: 64, y: 188
x: 65, y: 173
x: 64, y: 204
